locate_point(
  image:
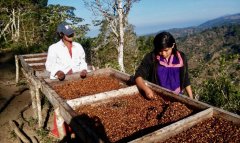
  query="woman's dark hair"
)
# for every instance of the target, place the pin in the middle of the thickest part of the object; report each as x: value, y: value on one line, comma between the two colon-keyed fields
x: 164, y: 40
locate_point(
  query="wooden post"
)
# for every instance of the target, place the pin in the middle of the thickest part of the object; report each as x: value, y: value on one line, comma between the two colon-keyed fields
x: 60, y: 123
x: 34, y: 102
x: 17, y: 69
x: 39, y: 107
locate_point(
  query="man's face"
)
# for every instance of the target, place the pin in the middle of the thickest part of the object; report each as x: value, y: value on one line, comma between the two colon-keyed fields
x: 68, y: 37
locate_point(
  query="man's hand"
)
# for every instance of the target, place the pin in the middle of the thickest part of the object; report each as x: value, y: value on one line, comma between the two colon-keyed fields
x: 83, y: 73
x: 60, y: 75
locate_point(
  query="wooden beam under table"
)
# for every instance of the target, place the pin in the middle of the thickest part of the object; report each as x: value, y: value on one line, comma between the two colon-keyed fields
x: 34, y: 85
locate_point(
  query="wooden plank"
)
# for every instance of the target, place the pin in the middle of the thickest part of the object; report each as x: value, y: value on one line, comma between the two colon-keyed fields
x: 25, y: 66
x: 226, y: 115
x: 17, y: 68
x: 113, y: 72
x: 74, y: 103
x: 44, y: 74
x: 34, y: 102
x: 75, y: 76
x: 105, y: 71
x: 39, y: 106
x: 36, y: 64
x: 182, y: 98
x: 175, y: 128
x: 52, y: 96
x: 35, y: 59
x: 120, y: 75
x: 187, y: 123
x: 36, y: 54
x: 72, y: 77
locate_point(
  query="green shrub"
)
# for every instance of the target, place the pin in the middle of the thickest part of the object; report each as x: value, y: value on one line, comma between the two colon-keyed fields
x: 222, y: 93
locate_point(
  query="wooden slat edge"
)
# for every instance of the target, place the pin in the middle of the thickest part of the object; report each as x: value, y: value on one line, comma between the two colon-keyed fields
x: 36, y: 54
x: 226, y: 115
x: 35, y: 59
x: 25, y: 66
x: 182, y: 98
x: 74, y: 103
x: 175, y: 128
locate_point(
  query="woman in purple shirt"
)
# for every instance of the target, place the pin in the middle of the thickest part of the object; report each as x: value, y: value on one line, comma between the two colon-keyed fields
x: 165, y: 66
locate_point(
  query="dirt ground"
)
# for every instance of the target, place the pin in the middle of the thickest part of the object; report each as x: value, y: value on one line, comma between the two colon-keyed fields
x: 15, y: 105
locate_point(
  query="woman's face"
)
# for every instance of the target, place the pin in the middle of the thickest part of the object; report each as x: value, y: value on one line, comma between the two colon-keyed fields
x: 166, y: 52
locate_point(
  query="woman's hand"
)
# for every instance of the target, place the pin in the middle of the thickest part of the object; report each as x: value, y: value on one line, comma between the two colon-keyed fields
x: 141, y: 84
x: 149, y: 93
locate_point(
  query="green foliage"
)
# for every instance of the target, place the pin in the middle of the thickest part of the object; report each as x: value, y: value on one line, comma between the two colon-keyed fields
x: 144, y: 46
x: 21, y: 49
x: 52, y: 15
x: 87, y: 44
x: 106, y: 44
x: 221, y: 92
x: 41, y: 3
x: 195, y: 72
x: 42, y: 133
x: 32, y: 122
x: 33, y: 25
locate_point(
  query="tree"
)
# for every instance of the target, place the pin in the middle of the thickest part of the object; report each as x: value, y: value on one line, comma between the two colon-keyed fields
x: 52, y: 15
x: 27, y: 25
x: 19, y: 21
x: 11, y: 17
x: 115, y: 13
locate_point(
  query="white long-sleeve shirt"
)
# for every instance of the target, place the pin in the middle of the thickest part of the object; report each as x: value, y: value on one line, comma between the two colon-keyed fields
x: 59, y: 59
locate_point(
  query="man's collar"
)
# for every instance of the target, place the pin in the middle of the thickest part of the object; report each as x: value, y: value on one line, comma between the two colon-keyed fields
x: 62, y: 43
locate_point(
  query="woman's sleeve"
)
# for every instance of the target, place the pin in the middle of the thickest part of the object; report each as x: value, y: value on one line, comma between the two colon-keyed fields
x: 186, y: 79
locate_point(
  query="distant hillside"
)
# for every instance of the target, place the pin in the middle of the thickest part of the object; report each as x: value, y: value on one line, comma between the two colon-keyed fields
x: 221, y: 21
x: 214, y: 65
x: 224, y: 20
x: 206, y: 50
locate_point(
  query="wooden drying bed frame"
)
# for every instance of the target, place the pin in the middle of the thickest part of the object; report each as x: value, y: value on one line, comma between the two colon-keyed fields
x: 39, y: 81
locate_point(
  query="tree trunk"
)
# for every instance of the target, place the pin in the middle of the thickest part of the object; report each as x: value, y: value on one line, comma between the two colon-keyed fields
x: 121, y: 36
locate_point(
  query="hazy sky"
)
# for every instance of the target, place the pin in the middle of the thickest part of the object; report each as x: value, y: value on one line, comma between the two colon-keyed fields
x: 149, y: 16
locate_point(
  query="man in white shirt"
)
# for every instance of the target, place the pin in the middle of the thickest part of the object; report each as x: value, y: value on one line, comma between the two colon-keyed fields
x: 65, y: 57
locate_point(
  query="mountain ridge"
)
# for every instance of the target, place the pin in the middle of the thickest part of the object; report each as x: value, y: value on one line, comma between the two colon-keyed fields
x: 216, y: 22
